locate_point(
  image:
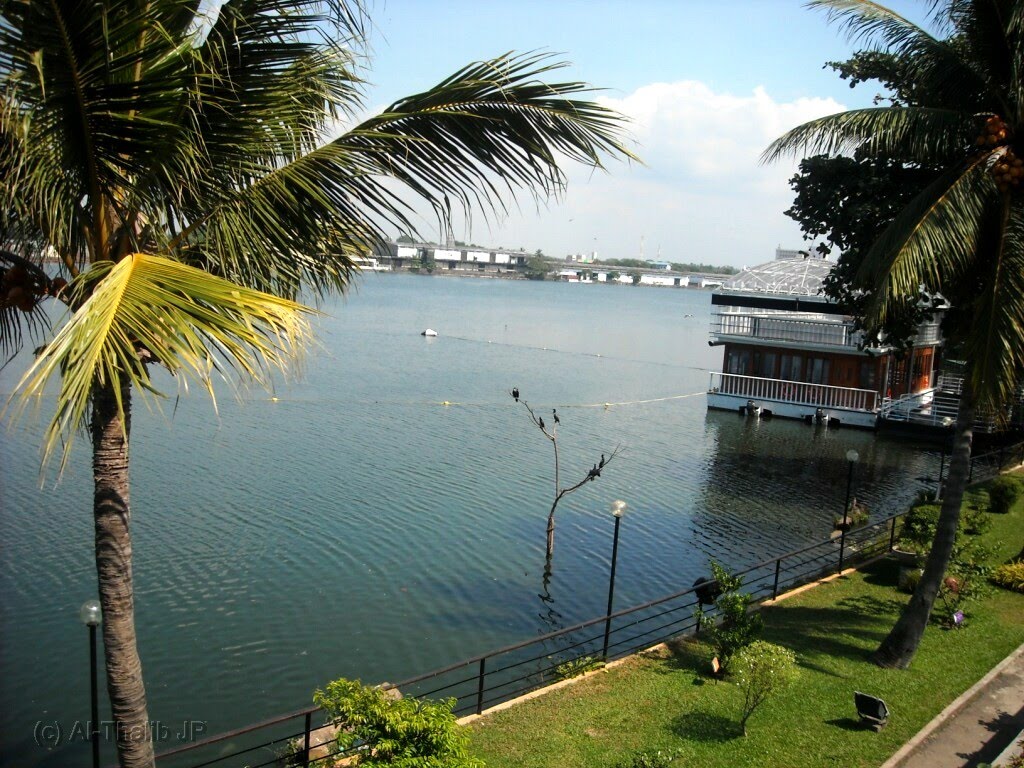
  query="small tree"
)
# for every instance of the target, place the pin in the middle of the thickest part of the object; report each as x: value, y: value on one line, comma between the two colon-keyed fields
x: 537, y: 267
x: 550, y: 431
x: 762, y: 670
x: 737, y: 627
x: 395, y: 732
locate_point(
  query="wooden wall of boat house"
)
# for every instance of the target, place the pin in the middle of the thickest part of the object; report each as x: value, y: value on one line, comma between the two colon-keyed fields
x: 856, y: 371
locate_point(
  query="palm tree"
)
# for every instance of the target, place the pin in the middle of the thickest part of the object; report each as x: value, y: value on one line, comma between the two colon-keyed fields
x: 963, y: 235
x: 176, y: 167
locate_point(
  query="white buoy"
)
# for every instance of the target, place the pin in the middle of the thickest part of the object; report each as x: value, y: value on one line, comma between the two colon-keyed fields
x: 429, y: 332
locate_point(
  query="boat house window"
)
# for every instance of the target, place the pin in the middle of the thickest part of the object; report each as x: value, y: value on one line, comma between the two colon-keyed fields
x: 739, y: 361
x: 817, y: 370
x: 790, y: 368
x: 868, y: 375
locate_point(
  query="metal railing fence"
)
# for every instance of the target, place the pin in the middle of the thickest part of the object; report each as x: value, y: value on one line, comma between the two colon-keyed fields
x: 482, y: 681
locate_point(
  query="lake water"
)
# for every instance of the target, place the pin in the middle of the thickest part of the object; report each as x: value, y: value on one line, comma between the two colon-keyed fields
x: 359, y: 527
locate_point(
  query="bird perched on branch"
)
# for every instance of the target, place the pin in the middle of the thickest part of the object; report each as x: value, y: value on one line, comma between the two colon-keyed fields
x: 555, y: 414
x: 515, y: 393
x: 599, y: 466
x: 541, y: 422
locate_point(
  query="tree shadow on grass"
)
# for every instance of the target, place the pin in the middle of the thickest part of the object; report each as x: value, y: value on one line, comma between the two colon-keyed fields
x: 850, y: 629
x: 688, y: 654
x: 882, y: 573
x: 706, y: 727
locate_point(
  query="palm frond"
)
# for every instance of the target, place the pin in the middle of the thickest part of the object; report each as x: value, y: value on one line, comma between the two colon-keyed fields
x: 951, y: 77
x: 996, y: 311
x: 933, y: 240
x: 147, y: 309
x: 23, y: 319
x: 492, y: 128
x: 913, y: 134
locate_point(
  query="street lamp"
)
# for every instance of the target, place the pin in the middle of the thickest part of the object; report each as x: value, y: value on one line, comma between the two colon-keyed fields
x: 618, y: 508
x: 91, y: 615
x: 851, y: 457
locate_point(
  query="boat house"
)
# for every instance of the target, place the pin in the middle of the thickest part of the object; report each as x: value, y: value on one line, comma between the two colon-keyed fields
x: 790, y: 352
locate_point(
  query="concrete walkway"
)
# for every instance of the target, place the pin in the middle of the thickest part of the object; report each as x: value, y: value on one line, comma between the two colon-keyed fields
x: 982, y: 724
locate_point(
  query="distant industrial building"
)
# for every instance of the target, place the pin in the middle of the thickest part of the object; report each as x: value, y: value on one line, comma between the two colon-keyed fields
x: 453, y: 259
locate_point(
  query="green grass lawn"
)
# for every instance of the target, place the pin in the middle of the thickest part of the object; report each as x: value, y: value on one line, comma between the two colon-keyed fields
x: 665, y: 700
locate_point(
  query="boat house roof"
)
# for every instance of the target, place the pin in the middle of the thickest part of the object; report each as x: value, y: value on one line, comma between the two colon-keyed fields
x: 793, y: 277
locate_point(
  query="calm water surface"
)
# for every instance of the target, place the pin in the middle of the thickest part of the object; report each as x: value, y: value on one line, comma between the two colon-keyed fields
x: 359, y: 527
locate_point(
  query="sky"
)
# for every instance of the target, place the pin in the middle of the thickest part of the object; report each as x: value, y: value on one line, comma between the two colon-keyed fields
x: 707, y: 84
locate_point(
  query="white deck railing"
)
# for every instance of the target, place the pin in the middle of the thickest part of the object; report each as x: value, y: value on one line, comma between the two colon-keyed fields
x: 775, y: 328
x: 801, y: 393
x: 788, y: 329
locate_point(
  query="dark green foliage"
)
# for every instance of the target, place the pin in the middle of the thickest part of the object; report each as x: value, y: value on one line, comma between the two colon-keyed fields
x: 649, y: 758
x: 736, y: 626
x: 537, y: 267
x: 974, y: 520
x: 400, y: 733
x: 1002, y: 494
x: 918, y: 529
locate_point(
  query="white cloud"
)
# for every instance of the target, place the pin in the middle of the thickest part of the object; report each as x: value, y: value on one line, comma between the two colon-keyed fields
x: 703, y: 195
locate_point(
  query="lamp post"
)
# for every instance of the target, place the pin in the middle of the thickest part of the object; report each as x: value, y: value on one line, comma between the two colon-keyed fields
x: 618, y: 508
x: 851, y: 457
x: 91, y: 615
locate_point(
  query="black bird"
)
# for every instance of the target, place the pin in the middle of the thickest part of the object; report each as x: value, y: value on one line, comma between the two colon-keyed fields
x: 541, y: 420
x: 515, y: 393
x: 555, y: 414
x: 602, y: 462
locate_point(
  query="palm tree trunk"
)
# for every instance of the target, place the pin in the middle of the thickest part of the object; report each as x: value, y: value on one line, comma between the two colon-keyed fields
x: 112, y: 515
x: 900, y: 646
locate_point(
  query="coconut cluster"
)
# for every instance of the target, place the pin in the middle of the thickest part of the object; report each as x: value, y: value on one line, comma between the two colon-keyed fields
x: 22, y: 289
x: 995, y: 132
x: 1008, y: 171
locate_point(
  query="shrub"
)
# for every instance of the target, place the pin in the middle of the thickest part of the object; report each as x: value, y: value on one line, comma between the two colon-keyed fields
x: 577, y: 667
x: 856, y: 516
x: 1010, y: 576
x: 399, y: 733
x: 738, y: 626
x: 965, y: 582
x: 974, y: 520
x: 909, y: 579
x: 919, y: 527
x: 762, y: 670
x: 648, y: 758
x: 1002, y: 494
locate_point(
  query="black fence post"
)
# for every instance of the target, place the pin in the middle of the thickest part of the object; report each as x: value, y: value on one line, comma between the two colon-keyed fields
x: 480, y: 687
x: 775, y: 586
x: 842, y: 549
x: 305, y: 738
